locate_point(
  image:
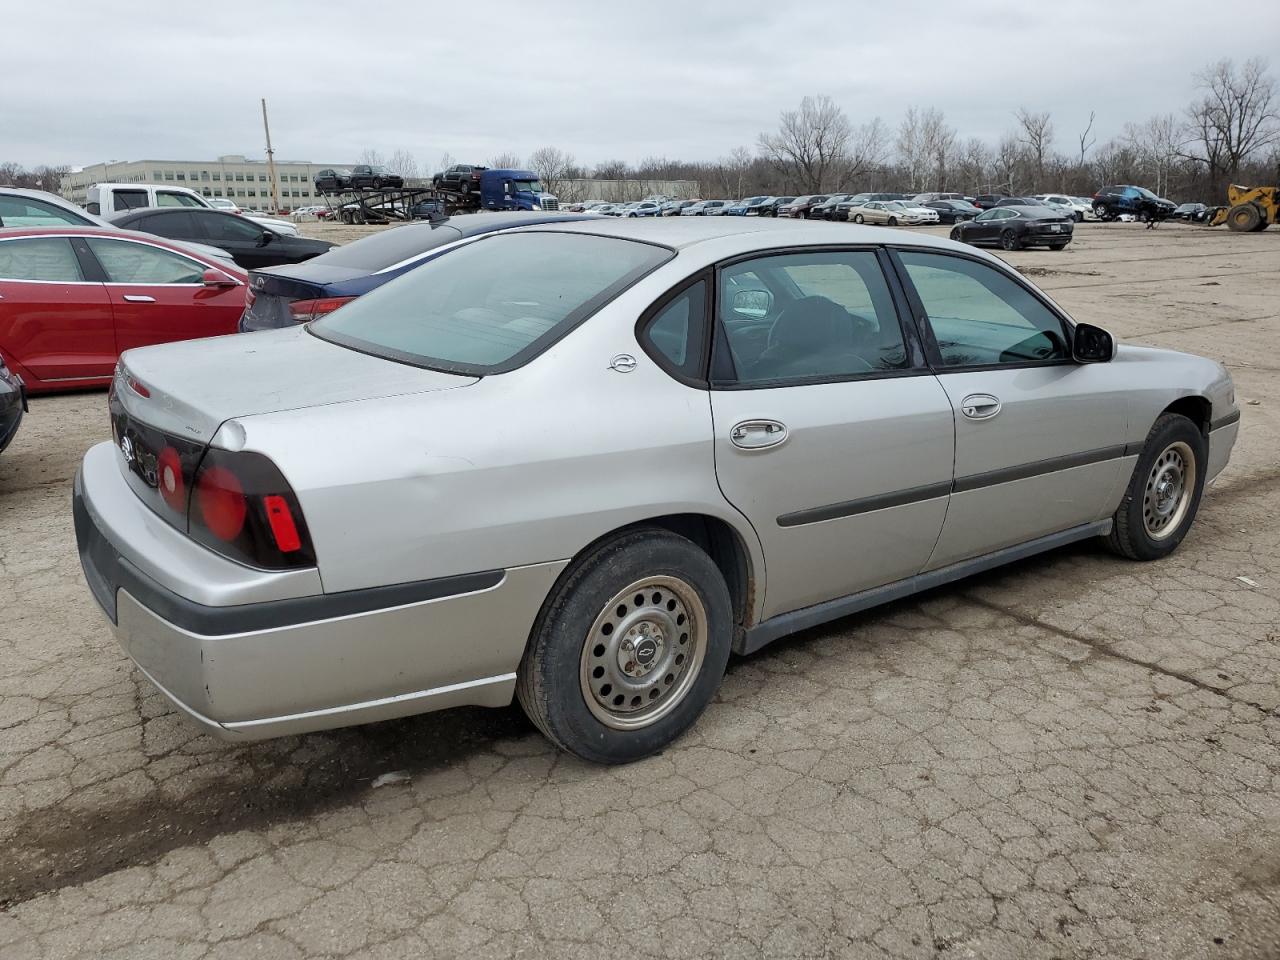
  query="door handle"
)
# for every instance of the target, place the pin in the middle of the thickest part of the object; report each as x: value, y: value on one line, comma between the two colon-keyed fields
x: 757, y: 434
x: 138, y: 298
x: 980, y: 406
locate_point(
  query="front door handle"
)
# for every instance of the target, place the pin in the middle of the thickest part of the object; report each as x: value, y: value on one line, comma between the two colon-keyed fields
x: 757, y: 434
x: 980, y: 406
x: 138, y: 298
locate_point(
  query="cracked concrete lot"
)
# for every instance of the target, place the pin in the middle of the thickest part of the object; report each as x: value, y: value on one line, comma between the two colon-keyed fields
x: 1075, y: 757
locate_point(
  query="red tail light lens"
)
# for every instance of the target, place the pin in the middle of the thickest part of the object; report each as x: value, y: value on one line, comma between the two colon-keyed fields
x: 169, y: 480
x: 303, y: 310
x: 243, y: 508
x: 220, y: 502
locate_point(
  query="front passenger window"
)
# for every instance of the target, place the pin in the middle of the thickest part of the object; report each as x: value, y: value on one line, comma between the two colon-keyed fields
x: 980, y: 316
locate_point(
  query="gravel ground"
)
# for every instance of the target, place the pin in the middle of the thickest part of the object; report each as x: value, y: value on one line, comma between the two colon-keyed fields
x: 1074, y: 757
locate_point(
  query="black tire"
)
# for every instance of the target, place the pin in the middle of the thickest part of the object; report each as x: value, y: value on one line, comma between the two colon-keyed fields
x: 1079, y: 216
x: 893, y: 221
x: 1010, y: 241
x: 1102, y: 211
x: 957, y: 234
x: 553, y: 671
x: 1244, y: 218
x: 857, y: 218
x: 377, y: 183
x: 1131, y: 535
x: 804, y: 214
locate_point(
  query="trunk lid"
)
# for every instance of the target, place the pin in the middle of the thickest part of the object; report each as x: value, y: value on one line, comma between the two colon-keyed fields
x: 189, y: 389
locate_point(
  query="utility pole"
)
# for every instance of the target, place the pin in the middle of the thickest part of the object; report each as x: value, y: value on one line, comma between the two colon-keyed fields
x: 271, y: 163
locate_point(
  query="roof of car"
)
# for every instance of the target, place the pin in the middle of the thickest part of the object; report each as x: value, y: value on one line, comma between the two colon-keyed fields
x: 755, y: 233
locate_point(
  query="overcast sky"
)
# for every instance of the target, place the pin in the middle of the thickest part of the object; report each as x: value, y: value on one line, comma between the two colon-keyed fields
x: 83, y: 81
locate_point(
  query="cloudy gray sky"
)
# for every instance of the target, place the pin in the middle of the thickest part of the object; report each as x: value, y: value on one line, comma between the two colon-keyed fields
x: 678, y: 78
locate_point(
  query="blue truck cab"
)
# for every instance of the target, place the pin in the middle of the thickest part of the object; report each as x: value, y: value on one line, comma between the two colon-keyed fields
x: 514, y: 190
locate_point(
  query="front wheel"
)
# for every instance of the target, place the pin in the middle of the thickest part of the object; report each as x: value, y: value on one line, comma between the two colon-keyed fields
x: 857, y: 218
x: 957, y: 234
x: 1101, y: 212
x: 1009, y: 241
x: 629, y: 647
x: 893, y: 221
x: 1164, y: 492
x: 377, y: 183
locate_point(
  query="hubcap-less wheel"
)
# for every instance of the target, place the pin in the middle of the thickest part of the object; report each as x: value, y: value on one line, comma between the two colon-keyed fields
x: 1169, y: 489
x: 643, y: 653
x: 1009, y: 240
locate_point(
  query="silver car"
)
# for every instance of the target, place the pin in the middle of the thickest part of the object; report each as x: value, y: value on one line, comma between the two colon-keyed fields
x: 582, y: 463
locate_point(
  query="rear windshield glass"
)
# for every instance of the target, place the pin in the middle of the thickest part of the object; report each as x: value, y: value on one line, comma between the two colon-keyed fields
x: 492, y: 304
x: 389, y: 247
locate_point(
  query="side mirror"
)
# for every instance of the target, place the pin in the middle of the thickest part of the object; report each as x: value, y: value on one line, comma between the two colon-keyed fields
x: 212, y: 278
x: 755, y: 304
x: 1092, y: 344
x: 267, y: 237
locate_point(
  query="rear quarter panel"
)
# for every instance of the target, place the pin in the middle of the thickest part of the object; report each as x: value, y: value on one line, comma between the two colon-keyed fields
x: 518, y: 468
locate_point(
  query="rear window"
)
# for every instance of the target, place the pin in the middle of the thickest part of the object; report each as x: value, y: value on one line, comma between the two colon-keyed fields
x: 493, y: 304
x: 389, y: 247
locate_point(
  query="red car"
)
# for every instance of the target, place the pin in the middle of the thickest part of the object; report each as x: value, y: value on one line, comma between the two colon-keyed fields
x: 72, y: 299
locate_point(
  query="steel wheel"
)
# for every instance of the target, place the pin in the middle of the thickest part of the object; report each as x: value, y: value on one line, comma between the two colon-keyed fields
x: 1169, y: 489
x: 643, y: 653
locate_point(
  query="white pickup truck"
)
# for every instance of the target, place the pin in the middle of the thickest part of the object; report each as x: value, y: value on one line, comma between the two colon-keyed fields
x: 107, y: 198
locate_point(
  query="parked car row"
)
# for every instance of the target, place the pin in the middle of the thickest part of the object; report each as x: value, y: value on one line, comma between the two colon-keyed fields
x: 361, y: 176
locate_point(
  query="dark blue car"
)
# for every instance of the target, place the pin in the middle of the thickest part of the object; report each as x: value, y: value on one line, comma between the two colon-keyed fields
x: 283, y: 296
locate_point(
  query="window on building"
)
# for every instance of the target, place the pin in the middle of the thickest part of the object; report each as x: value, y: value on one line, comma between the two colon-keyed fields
x: 181, y: 175
x: 253, y: 193
x: 240, y: 176
x: 217, y: 191
x: 204, y: 175
x: 217, y: 176
x: 168, y: 174
x: 158, y: 175
x: 262, y: 178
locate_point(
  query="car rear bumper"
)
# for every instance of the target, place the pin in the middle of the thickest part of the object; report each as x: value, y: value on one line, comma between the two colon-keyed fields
x: 291, y: 664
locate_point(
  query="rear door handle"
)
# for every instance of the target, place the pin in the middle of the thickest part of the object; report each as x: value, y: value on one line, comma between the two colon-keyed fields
x: 980, y: 406
x: 138, y: 298
x: 757, y: 434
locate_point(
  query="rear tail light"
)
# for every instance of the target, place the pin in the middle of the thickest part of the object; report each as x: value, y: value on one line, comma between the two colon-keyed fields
x: 243, y: 508
x: 303, y: 310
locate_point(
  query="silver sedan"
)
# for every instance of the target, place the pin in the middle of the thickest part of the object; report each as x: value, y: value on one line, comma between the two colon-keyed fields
x: 580, y: 464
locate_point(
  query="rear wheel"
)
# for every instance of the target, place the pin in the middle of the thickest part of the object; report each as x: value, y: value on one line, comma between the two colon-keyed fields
x: 893, y: 221
x: 1009, y: 241
x: 857, y: 218
x: 1164, y: 492
x: 629, y: 648
x: 377, y: 183
x: 1101, y: 212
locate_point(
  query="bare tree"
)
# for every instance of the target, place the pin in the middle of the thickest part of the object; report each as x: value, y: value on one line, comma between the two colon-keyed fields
x: 1156, y: 144
x: 1037, y: 136
x: 1237, y: 116
x: 372, y: 157
x: 911, y: 151
x: 810, y: 148
x: 866, y: 152
x: 552, y: 165
x: 506, y: 161
x: 446, y: 161
x: 403, y: 163
x: 1086, y: 139
x: 612, y: 170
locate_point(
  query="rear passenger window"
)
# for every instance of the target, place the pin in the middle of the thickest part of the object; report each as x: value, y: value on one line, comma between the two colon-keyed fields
x: 800, y: 316
x: 127, y: 262
x: 39, y: 258
x: 678, y: 330
x: 980, y: 316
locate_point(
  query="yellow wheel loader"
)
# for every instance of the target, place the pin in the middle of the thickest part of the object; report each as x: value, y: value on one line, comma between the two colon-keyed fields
x: 1249, y: 209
